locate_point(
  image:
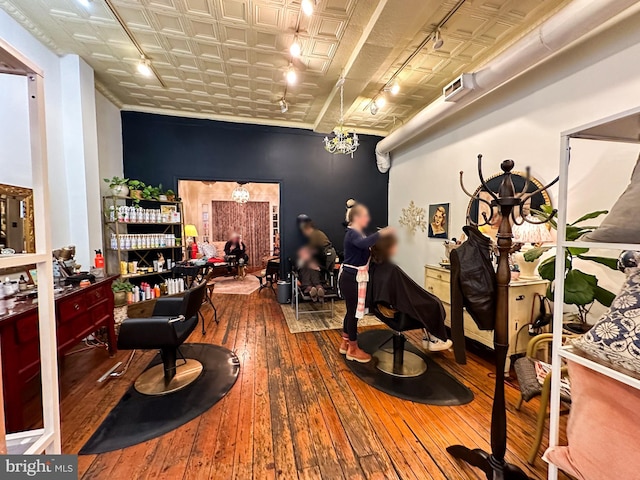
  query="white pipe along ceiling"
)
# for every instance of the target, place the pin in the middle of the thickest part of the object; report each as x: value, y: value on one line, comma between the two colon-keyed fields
x: 571, y: 23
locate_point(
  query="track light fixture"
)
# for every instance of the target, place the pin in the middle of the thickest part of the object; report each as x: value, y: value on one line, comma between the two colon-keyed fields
x: 374, y: 107
x: 307, y: 7
x: 393, y: 89
x: 284, y: 106
x: 438, y: 41
x: 295, y: 49
x: 292, y: 76
x: 144, y: 66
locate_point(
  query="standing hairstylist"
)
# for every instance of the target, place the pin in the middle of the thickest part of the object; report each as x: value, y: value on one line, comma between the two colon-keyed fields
x: 355, y: 275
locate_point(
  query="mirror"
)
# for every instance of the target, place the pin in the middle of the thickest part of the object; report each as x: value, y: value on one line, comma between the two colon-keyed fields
x: 16, y: 219
x: 476, y: 208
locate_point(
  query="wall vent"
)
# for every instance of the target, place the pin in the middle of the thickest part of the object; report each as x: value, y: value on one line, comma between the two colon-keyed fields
x: 458, y: 88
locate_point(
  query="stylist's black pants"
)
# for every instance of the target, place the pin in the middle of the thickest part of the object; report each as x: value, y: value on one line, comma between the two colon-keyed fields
x: 349, y: 290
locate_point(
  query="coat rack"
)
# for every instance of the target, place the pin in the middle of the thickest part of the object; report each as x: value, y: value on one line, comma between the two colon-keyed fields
x: 508, y: 204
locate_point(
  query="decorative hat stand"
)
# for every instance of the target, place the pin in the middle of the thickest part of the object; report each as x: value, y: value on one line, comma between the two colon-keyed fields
x: 507, y: 204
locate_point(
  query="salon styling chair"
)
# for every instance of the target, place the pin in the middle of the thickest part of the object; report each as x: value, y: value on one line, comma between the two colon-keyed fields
x: 398, y: 362
x: 171, y: 323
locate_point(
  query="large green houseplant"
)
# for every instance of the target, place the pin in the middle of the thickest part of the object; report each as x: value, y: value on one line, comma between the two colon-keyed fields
x: 580, y: 289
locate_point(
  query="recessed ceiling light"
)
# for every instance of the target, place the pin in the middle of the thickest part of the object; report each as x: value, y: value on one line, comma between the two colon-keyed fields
x: 292, y: 76
x: 295, y: 48
x: 307, y: 7
x: 144, y: 67
x: 284, y: 106
x: 85, y: 3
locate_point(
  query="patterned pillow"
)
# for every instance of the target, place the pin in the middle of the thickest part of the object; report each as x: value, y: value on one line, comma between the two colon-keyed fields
x: 616, y: 336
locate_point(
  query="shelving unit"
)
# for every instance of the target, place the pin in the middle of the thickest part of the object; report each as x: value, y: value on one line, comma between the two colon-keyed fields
x: 624, y: 127
x: 46, y: 439
x: 146, y: 255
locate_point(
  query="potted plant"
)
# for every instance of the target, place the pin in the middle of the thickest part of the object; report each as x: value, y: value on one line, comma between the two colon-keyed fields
x: 162, y: 196
x: 135, y: 189
x: 580, y: 289
x: 171, y: 195
x: 150, y: 193
x: 120, y: 289
x: 118, y: 186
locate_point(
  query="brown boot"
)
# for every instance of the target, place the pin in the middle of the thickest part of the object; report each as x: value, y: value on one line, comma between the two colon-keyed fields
x: 356, y: 353
x: 344, y: 346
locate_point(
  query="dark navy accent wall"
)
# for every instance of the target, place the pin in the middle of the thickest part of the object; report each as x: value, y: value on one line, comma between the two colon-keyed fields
x: 163, y: 149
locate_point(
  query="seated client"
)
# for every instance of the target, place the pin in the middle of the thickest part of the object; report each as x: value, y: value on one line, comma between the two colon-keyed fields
x: 309, y: 275
x: 391, y: 290
x: 235, y: 249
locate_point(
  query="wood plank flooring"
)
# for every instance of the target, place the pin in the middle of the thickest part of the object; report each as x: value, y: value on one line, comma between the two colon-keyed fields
x: 296, y: 412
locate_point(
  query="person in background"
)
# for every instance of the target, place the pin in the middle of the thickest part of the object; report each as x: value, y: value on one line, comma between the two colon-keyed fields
x: 236, y: 249
x: 309, y: 276
x: 318, y: 242
x: 355, y: 275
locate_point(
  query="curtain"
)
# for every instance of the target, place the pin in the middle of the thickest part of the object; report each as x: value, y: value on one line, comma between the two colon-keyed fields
x: 251, y: 220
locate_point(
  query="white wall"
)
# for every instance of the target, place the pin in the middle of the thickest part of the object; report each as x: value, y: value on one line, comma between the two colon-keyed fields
x: 14, y: 131
x: 84, y: 139
x: 49, y: 62
x: 109, y: 125
x: 523, y: 121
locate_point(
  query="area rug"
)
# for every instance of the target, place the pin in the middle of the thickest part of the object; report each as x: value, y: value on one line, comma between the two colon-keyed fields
x: 231, y: 286
x: 317, y: 322
x: 434, y: 387
x: 138, y: 418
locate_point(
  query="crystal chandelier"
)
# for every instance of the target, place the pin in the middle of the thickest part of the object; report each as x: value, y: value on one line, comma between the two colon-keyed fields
x: 240, y: 194
x: 344, y: 140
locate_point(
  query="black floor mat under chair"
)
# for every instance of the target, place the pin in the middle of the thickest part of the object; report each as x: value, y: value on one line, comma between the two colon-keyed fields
x: 434, y: 387
x: 138, y: 418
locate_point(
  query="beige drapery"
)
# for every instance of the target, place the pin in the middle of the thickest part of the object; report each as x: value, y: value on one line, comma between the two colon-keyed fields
x: 251, y: 220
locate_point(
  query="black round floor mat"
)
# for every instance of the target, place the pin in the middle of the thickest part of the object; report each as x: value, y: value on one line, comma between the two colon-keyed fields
x: 138, y: 418
x: 434, y: 387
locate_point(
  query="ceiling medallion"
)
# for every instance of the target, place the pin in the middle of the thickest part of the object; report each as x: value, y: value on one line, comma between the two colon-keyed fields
x: 413, y: 218
x: 240, y: 194
x: 345, y: 141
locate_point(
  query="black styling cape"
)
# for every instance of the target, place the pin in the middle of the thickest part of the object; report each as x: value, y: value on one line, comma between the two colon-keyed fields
x: 389, y: 285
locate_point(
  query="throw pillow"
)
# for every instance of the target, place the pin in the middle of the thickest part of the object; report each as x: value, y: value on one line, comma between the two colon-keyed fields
x: 620, y: 225
x: 601, y: 433
x: 616, y: 336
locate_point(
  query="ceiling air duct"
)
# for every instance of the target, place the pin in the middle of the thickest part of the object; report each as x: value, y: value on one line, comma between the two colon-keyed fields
x: 573, y: 22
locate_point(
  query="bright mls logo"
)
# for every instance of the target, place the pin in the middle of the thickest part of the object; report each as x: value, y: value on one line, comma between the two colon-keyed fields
x: 43, y: 467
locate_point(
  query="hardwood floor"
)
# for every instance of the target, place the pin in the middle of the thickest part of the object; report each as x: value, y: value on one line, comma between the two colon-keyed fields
x: 295, y: 412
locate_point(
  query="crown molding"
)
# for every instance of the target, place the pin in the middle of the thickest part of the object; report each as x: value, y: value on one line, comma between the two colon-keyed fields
x: 108, y: 93
x: 17, y: 14
x: 235, y: 119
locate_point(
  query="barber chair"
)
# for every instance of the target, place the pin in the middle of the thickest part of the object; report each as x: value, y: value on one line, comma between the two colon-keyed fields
x: 172, y: 321
x: 398, y: 361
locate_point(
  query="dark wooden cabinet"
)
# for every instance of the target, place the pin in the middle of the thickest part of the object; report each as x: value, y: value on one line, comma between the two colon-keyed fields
x: 79, y: 312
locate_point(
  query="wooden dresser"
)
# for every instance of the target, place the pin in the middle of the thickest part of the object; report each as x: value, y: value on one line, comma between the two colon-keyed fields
x: 79, y: 312
x: 437, y: 280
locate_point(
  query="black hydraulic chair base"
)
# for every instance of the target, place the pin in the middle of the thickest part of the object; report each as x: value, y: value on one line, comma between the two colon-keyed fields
x: 399, y: 362
x: 154, y: 382
x: 493, y: 468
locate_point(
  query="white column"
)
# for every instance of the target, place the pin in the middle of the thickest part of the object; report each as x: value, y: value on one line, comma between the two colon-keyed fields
x: 81, y: 157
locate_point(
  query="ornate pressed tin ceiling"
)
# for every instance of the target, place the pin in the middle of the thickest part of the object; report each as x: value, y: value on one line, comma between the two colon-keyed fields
x: 226, y: 59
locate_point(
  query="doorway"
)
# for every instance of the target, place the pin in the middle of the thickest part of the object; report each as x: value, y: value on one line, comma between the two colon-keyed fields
x: 217, y: 213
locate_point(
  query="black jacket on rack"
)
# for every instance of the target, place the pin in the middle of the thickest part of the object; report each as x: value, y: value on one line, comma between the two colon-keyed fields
x: 473, y: 286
